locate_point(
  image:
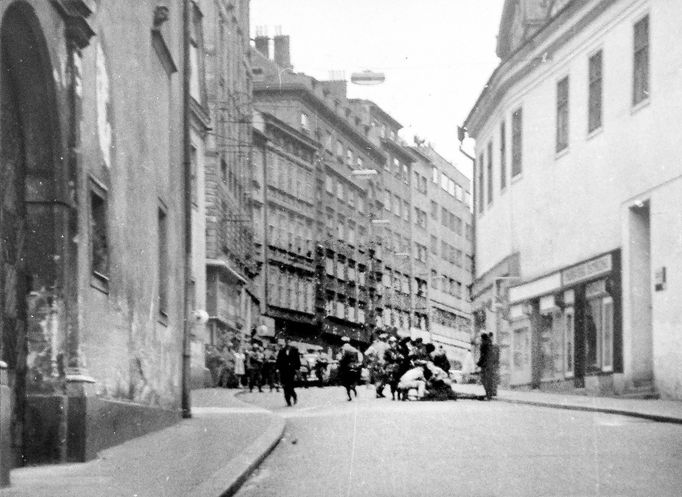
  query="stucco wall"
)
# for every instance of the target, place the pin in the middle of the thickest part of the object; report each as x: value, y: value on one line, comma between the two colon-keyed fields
x: 666, y: 251
x: 127, y: 349
x: 574, y: 212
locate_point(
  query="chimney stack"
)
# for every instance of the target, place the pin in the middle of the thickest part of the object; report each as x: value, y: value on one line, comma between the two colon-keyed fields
x: 263, y: 45
x: 282, y: 55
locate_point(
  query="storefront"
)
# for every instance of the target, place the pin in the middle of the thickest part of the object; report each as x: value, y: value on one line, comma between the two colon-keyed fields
x: 566, y: 327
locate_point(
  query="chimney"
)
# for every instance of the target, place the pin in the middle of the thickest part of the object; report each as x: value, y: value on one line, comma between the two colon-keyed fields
x: 263, y: 45
x: 282, y: 56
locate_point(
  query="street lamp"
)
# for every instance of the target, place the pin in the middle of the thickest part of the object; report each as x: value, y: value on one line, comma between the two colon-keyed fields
x: 367, y: 78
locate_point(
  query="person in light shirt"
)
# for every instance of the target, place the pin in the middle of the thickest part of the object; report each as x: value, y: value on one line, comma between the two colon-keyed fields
x: 414, y: 378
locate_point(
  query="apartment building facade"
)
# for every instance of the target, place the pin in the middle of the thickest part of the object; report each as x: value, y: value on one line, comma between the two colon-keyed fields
x: 231, y: 300
x: 576, y: 257
x: 285, y: 162
x: 443, y: 249
x: 346, y: 263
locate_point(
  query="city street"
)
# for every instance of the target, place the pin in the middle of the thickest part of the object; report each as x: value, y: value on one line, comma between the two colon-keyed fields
x: 333, y: 447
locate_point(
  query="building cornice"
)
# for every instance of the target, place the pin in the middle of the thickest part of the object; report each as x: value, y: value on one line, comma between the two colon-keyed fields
x: 300, y: 89
x: 528, y: 57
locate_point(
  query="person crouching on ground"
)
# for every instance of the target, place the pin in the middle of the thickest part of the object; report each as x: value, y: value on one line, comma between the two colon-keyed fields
x: 349, y: 367
x: 414, y: 378
x: 288, y: 364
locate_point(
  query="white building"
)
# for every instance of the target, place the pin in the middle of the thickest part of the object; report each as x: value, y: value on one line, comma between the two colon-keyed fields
x: 577, y: 181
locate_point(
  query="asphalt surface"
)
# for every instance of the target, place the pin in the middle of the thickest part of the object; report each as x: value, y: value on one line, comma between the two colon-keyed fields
x: 377, y: 447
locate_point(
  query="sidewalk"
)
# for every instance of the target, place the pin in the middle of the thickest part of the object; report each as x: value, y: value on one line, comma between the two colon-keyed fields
x: 209, y: 455
x: 669, y: 411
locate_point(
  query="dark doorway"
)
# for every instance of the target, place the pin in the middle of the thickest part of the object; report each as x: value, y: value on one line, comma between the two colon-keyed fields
x: 29, y: 223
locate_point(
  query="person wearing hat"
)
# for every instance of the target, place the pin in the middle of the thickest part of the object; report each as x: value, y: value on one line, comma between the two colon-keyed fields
x: 349, y: 367
x: 288, y: 364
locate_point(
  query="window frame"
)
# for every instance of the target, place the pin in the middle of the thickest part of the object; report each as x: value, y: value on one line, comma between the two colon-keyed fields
x: 641, y: 62
x: 562, y: 114
x: 595, y: 85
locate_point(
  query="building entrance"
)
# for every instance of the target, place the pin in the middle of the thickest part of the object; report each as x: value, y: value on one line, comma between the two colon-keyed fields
x: 29, y: 222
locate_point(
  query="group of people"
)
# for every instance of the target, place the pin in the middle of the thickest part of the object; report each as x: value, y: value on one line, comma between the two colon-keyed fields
x: 408, y: 364
x: 251, y: 365
x: 403, y: 365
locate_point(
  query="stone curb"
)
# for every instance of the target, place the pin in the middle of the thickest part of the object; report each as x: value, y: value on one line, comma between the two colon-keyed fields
x: 572, y: 407
x: 226, y: 481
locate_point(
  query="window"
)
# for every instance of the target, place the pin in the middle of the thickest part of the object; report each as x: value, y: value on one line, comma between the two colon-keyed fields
x: 223, y: 171
x: 503, y: 156
x: 517, y: 142
x: 459, y: 192
x: 434, y: 245
x: 351, y: 198
x: 421, y: 252
x: 406, y: 211
x: 595, y: 90
x: 349, y: 157
x: 434, y: 210
x: 340, y: 191
x: 490, y: 172
x: 305, y: 122
x: 562, y: 114
x: 99, y: 245
x: 328, y: 141
x: 193, y: 159
x: 640, y: 77
x: 360, y: 163
x: 481, y: 196
x: 444, y: 250
x: 329, y: 184
x: 444, y: 216
x: 339, y: 149
x: 434, y: 279
x: 397, y: 205
x: 435, y: 175
x: 162, y: 258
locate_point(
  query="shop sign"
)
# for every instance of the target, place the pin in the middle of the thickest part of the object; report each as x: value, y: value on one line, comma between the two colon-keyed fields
x: 587, y: 270
x: 519, y: 311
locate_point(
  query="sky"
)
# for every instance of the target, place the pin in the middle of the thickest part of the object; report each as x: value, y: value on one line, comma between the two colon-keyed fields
x: 436, y: 55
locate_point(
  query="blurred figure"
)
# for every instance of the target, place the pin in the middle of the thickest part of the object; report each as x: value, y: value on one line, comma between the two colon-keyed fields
x: 254, y: 365
x: 321, y: 364
x: 240, y: 365
x: 349, y: 367
x: 393, y: 360
x: 495, y: 364
x: 288, y: 364
x: 485, y: 363
x: 440, y: 359
x: 415, y: 378
x: 270, y: 367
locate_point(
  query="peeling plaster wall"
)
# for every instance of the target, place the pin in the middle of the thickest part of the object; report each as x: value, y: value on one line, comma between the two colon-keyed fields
x: 132, y: 145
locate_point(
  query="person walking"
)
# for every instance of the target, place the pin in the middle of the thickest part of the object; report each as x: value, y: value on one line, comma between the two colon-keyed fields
x: 349, y: 367
x: 270, y: 367
x: 288, y: 364
x: 254, y: 365
x: 392, y: 360
x: 495, y: 364
x: 485, y: 363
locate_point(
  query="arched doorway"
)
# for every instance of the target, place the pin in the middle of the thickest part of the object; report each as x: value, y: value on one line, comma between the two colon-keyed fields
x: 31, y: 226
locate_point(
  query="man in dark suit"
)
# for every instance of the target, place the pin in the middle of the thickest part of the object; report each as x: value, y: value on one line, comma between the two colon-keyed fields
x: 288, y: 363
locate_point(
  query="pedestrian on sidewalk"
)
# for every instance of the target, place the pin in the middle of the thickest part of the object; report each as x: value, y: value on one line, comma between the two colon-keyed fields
x: 494, y: 364
x: 288, y: 364
x: 485, y: 361
x: 240, y: 365
x: 349, y: 367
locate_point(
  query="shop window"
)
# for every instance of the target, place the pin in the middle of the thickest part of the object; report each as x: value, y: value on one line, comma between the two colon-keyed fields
x: 569, y: 348
x: 607, y: 334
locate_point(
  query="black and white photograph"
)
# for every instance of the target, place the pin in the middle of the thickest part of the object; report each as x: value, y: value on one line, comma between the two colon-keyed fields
x: 340, y: 248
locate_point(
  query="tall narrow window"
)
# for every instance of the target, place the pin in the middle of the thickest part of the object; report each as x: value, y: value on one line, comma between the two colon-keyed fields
x: 517, y: 142
x: 490, y: 172
x: 193, y: 161
x: 98, y: 234
x: 481, y: 196
x: 595, y: 88
x: 640, y: 77
x: 163, y: 261
x: 562, y: 114
x: 503, y: 157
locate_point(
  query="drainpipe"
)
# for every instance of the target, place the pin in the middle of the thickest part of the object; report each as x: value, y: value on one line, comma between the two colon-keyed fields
x: 187, y: 180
